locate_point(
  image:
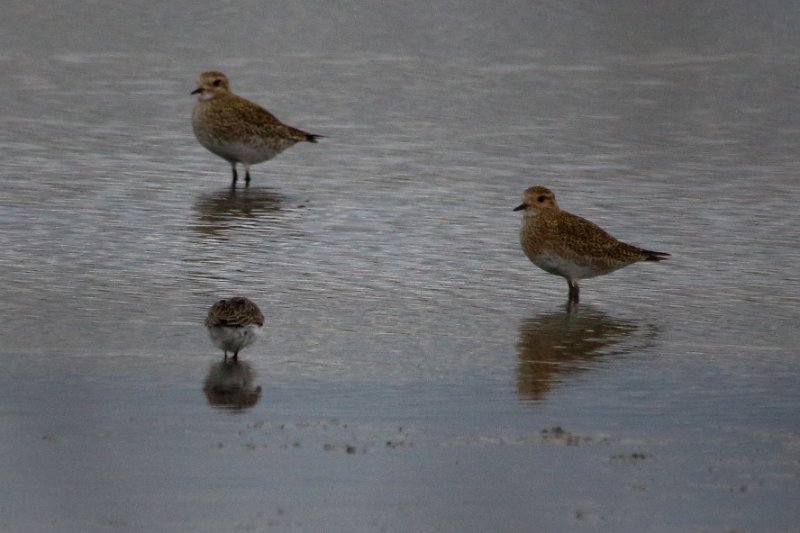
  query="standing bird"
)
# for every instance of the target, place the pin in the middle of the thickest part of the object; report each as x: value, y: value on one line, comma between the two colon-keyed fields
x: 236, y: 129
x: 233, y: 324
x: 569, y: 246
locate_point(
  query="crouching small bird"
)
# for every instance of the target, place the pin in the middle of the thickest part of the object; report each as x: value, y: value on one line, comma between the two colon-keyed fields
x: 234, y: 324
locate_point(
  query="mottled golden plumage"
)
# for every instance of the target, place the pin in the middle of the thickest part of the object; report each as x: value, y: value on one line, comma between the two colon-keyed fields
x: 570, y: 246
x: 236, y: 129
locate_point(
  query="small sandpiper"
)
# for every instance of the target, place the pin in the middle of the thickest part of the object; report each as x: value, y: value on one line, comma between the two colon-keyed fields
x: 236, y: 129
x: 569, y: 246
x: 234, y: 324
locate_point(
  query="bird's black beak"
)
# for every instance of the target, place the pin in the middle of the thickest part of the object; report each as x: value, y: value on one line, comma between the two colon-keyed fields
x: 197, y: 91
x: 520, y: 207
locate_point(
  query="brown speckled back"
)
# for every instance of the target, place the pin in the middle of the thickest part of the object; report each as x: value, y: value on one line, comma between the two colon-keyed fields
x: 561, y: 242
x: 234, y: 312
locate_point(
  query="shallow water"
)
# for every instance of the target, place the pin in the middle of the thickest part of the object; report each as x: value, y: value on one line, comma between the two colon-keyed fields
x: 417, y: 372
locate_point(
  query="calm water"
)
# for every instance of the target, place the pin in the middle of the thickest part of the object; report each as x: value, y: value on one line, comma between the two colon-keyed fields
x: 418, y: 373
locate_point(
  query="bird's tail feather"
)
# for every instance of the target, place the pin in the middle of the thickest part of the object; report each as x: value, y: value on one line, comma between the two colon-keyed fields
x: 650, y: 255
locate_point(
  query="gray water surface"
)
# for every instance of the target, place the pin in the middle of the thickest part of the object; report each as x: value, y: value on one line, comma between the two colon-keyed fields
x: 417, y: 373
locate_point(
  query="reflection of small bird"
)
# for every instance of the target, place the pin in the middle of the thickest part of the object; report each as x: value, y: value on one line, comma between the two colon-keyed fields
x: 569, y: 246
x: 236, y: 129
x: 233, y: 324
x: 229, y: 384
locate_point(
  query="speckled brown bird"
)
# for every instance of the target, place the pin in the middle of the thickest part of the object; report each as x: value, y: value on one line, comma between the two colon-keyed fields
x: 569, y: 246
x: 234, y: 324
x: 236, y: 129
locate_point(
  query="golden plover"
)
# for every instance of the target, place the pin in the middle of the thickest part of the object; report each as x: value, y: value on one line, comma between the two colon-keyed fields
x: 236, y: 129
x: 569, y: 246
x: 234, y: 324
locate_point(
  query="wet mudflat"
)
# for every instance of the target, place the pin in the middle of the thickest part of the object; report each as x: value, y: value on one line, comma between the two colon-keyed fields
x: 417, y: 373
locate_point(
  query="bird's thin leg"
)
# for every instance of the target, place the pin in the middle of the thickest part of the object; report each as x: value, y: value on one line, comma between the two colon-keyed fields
x: 226, y: 356
x: 235, y: 175
x: 236, y: 356
x: 246, y: 175
x: 574, y: 291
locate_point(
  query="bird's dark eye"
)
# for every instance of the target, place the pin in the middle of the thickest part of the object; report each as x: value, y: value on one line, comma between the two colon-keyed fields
x: 217, y: 83
x: 541, y: 198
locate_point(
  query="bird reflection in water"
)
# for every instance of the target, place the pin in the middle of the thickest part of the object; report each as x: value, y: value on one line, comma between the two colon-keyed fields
x: 229, y: 208
x: 229, y: 384
x: 554, y: 345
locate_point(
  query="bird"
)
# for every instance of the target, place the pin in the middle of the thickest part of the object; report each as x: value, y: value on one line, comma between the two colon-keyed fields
x: 570, y: 246
x: 233, y: 324
x: 236, y: 129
